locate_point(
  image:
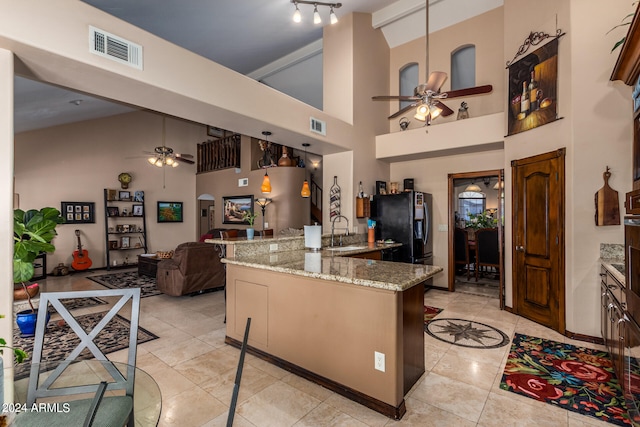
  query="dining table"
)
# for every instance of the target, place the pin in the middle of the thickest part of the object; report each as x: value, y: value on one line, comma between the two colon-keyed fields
x: 86, y: 375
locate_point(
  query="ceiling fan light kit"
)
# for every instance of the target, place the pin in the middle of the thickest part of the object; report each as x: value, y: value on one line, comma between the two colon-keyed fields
x: 317, y: 19
x: 164, y: 156
x: 426, y: 97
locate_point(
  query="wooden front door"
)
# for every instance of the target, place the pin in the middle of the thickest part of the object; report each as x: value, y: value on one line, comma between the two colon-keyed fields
x: 538, y: 239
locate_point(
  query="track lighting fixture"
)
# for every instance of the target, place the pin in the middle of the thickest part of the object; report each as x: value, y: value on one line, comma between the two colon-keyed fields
x: 317, y: 19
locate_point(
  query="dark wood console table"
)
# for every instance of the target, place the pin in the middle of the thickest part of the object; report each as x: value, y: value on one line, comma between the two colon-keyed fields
x: 148, y: 266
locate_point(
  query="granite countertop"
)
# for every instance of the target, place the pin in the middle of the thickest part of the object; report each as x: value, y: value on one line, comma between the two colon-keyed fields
x: 614, y: 266
x: 393, y: 276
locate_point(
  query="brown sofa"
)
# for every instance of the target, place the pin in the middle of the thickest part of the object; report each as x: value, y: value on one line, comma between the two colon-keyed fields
x: 195, y: 267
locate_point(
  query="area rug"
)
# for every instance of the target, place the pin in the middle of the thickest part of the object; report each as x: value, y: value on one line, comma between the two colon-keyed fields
x: 430, y: 313
x: 128, y: 279
x: 70, y: 304
x: 60, y: 340
x: 574, y: 378
x: 466, y: 333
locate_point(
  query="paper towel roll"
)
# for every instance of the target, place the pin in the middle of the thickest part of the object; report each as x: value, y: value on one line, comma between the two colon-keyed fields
x: 313, y: 236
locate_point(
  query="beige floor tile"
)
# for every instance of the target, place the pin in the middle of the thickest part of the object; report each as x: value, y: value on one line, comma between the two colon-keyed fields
x: 221, y: 421
x: 175, y: 354
x: 357, y: 411
x: 278, y: 405
x: 452, y: 396
x: 500, y: 410
x: 208, y: 367
x: 253, y: 381
x: 468, y: 371
x: 328, y: 416
x: 190, y: 408
x: 421, y: 414
x: 308, y: 387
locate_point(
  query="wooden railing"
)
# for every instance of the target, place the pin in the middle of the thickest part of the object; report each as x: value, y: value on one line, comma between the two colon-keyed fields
x: 316, y: 202
x: 223, y: 153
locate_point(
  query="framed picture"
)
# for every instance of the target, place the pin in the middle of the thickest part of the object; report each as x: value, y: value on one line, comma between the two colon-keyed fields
x: 170, y: 212
x: 113, y: 211
x: 112, y: 194
x: 78, y: 212
x: 381, y: 187
x: 124, y: 242
x: 138, y: 210
x: 124, y: 195
x: 234, y: 207
x: 533, y: 89
x: 138, y: 196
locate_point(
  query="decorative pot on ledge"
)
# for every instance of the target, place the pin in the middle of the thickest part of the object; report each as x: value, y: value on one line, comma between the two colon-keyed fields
x: 250, y: 233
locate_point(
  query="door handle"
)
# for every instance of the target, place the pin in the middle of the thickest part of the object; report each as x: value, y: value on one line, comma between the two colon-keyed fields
x: 520, y: 248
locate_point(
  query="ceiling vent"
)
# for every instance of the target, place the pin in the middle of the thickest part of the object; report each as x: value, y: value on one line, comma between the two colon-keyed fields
x: 318, y: 126
x: 116, y: 48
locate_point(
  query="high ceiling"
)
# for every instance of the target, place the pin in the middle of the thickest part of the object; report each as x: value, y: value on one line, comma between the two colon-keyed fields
x: 241, y: 35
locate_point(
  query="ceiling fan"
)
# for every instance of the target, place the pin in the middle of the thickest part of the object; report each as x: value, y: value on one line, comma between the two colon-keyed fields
x: 163, y: 155
x: 426, y: 97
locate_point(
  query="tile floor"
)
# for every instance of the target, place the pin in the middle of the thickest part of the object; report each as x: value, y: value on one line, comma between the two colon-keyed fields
x: 195, y: 371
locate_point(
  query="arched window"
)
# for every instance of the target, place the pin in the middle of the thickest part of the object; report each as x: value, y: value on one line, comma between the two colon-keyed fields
x: 471, y: 203
x: 408, y: 81
x: 463, y: 67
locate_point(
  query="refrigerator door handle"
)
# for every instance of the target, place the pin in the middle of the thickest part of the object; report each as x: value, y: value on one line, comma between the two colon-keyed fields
x: 425, y: 226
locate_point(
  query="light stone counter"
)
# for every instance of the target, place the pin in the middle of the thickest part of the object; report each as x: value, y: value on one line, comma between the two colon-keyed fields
x: 327, y: 265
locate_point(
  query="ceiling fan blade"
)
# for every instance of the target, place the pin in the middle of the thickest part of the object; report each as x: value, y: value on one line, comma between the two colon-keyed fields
x: 469, y: 91
x: 404, y: 110
x: 183, y: 160
x: 436, y: 80
x: 186, y: 156
x: 395, y: 97
x: 446, y: 111
x: 149, y: 153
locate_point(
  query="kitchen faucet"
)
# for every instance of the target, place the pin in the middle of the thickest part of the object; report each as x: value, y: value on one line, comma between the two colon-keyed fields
x: 333, y: 226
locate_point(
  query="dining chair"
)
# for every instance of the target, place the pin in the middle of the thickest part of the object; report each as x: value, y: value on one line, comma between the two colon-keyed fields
x: 487, y: 252
x: 228, y: 234
x: 267, y: 232
x: 114, y: 410
x: 462, y: 254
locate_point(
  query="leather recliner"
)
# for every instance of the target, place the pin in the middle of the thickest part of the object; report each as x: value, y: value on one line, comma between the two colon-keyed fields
x: 195, y: 267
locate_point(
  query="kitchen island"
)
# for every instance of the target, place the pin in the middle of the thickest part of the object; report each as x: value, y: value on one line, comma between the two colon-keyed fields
x: 352, y: 325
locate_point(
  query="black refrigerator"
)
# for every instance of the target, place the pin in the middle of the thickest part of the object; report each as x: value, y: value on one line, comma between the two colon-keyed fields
x: 406, y: 218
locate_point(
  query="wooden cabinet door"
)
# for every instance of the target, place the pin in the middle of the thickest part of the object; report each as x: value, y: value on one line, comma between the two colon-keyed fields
x: 538, y: 253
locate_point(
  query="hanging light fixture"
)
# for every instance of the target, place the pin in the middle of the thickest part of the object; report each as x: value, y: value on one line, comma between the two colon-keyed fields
x: 499, y: 185
x: 317, y: 19
x: 297, y: 16
x: 473, y: 188
x: 266, y: 182
x: 306, y: 191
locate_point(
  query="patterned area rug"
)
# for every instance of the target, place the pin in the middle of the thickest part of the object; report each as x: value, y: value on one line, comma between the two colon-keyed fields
x: 71, y: 304
x: 466, y: 333
x: 430, y: 313
x: 574, y: 378
x: 59, y: 340
x: 129, y: 279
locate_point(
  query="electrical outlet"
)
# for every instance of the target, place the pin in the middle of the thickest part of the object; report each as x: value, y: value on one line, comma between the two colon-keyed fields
x: 273, y: 247
x: 443, y: 227
x: 378, y: 361
x: 266, y: 225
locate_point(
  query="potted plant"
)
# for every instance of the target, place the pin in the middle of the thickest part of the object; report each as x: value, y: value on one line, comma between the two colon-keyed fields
x: 250, y: 217
x: 482, y: 220
x: 33, y: 232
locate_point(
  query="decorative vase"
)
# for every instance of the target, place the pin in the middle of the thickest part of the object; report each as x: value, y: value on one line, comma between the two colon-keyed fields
x: 26, y: 321
x: 250, y: 233
x: 20, y: 294
x: 285, y: 160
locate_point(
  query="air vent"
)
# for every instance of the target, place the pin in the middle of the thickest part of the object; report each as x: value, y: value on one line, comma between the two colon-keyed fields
x: 318, y: 126
x: 113, y: 47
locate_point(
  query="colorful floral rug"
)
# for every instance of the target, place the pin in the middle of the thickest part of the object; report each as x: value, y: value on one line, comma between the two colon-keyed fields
x: 574, y: 378
x: 430, y: 313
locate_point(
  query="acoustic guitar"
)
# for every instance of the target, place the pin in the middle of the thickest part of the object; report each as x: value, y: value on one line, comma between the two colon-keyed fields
x: 81, y: 260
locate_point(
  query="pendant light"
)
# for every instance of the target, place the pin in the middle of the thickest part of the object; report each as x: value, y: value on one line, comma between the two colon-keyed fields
x: 266, y: 182
x: 306, y: 191
x: 473, y: 187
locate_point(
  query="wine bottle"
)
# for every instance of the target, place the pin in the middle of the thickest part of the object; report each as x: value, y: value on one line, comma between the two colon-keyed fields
x: 533, y: 92
x: 524, y: 99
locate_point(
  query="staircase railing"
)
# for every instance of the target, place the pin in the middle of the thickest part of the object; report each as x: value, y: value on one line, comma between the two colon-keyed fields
x: 223, y: 153
x: 316, y: 202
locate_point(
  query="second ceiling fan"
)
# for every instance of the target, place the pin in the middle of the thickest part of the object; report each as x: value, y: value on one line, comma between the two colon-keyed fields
x: 426, y: 98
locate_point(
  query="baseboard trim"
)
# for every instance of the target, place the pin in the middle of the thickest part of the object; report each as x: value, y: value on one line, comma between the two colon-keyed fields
x: 585, y: 338
x: 390, y: 411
